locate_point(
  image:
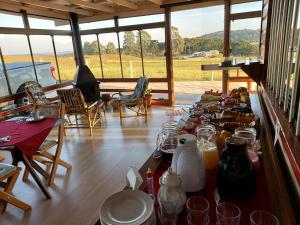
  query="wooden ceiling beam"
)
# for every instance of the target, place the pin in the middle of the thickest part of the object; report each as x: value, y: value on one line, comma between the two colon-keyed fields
x: 17, y: 7
x: 123, y: 14
x: 49, y: 5
x: 156, y: 2
x: 125, y: 3
x: 89, y: 5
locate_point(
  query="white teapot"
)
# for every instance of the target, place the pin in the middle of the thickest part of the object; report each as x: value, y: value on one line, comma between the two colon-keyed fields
x: 188, y: 163
x: 170, y: 190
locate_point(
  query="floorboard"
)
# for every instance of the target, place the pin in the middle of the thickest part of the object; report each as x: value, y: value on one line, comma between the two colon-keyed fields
x: 100, y: 163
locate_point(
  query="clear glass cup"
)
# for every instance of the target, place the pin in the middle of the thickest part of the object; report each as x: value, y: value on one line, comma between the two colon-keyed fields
x: 260, y: 217
x: 168, y: 211
x: 198, y: 210
x: 248, y: 134
x: 228, y: 214
x: 194, y: 219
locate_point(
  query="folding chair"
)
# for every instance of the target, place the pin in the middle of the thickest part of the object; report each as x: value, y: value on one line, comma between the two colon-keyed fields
x: 10, y: 174
x: 44, y: 156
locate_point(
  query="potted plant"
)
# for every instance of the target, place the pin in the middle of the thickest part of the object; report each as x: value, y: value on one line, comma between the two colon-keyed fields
x: 148, y: 97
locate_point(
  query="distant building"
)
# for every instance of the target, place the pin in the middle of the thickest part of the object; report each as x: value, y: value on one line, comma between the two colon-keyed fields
x: 210, y: 53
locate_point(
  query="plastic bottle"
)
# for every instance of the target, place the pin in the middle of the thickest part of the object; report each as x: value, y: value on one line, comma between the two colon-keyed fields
x: 150, y: 186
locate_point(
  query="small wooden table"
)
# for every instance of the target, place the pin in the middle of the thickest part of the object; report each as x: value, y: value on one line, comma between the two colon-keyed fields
x: 19, y: 156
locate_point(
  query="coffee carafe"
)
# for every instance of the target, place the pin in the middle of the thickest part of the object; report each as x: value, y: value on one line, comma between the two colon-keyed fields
x: 188, y: 163
x: 236, y: 177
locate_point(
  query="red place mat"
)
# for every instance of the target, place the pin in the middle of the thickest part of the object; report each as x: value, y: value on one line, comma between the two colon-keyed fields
x: 27, y: 137
x: 259, y: 201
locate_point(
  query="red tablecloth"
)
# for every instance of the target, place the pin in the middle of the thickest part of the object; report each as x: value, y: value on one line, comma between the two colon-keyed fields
x: 26, y: 136
x: 259, y: 201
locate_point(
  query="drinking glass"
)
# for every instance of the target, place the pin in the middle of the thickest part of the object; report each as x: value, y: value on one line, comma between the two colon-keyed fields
x: 194, y: 219
x: 198, y: 210
x: 260, y: 217
x: 168, y: 210
x: 248, y: 134
x: 228, y: 214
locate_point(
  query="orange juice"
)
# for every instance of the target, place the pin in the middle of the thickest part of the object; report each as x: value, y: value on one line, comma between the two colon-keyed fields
x: 210, y: 157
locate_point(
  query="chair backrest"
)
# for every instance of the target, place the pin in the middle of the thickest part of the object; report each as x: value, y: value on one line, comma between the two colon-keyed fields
x: 140, y: 88
x: 73, y: 100
x: 35, y: 93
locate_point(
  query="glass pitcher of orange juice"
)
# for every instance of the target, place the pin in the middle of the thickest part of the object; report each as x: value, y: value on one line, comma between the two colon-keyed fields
x: 207, y: 145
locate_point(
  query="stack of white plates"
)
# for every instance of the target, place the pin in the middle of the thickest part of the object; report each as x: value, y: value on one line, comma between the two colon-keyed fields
x: 128, y: 207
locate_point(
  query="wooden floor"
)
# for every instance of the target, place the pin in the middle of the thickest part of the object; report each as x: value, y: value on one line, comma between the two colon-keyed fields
x: 99, y: 167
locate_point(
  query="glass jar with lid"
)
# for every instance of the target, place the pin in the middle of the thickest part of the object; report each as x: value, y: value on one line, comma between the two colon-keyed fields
x: 167, y: 139
x: 207, y: 145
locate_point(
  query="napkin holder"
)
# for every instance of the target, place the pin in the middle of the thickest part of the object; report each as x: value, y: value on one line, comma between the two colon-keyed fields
x: 133, y: 178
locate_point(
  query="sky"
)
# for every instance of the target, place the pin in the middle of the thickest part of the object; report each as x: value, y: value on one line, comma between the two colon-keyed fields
x: 191, y: 23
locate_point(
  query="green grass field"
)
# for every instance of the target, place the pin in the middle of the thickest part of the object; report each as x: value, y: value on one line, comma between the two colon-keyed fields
x: 155, y: 67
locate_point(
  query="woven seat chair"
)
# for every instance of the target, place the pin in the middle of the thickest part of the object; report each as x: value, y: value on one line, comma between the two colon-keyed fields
x: 9, y: 174
x: 52, y: 158
x: 75, y: 105
x: 135, y: 102
x: 37, y: 97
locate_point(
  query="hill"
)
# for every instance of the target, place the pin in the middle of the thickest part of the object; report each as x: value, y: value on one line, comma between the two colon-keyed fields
x: 236, y: 35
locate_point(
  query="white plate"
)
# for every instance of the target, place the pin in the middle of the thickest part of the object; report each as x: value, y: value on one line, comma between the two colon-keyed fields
x: 33, y: 119
x: 127, y: 207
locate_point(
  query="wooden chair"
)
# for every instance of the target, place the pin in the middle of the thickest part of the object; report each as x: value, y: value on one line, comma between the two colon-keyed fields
x: 9, y: 174
x: 75, y: 105
x: 135, y: 102
x: 44, y: 156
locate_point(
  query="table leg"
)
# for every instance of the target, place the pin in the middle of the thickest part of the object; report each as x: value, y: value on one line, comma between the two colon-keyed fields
x: 35, y: 176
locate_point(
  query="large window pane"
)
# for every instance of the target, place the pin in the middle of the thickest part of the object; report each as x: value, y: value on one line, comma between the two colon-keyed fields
x: 246, y: 7
x: 141, y: 20
x: 8, y: 19
x: 47, y: 23
x: 153, y: 43
x: 198, y: 42
x: 91, y: 54
x: 244, y: 41
x: 131, y: 54
x: 44, y: 59
x: 17, y: 59
x: 110, y: 57
x: 65, y: 56
x: 97, y: 24
x: 3, y: 83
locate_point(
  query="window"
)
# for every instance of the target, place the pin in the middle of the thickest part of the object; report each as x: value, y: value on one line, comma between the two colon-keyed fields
x: 246, y: 7
x: 44, y: 59
x: 97, y: 24
x: 244, y: 41
x: 198, y: 42
x: 91, y: 54
x: 8, y: 19
x: 3, y: 84
x: 17, y: 59
x: 110, y: 58
x: 141, y: 20
x: 131, y: 54
x: 65, y: 57
x: 153, y: 44
x: 47, y: 23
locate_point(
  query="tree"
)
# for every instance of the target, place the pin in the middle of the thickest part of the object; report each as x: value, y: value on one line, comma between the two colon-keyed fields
x: 177, y: 41
x: 91, y: 48
x: 146, y: 41
x: 129, y: 45
x: 110, y: 48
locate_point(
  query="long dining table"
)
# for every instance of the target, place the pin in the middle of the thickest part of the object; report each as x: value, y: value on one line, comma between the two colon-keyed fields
x: 25, y: 140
